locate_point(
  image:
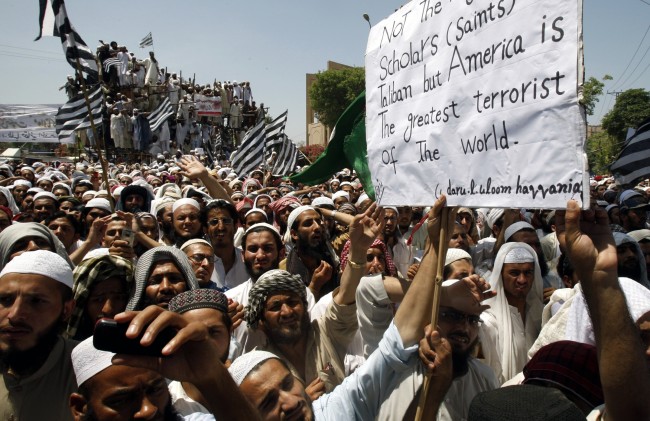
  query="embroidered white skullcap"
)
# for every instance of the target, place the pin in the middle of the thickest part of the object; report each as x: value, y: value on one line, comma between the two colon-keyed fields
x: 519, y: 255
x: 22, y: 183
x: 515, y: 228
x: 46, y: 195
x: 322, y: 201
x: 41, y: 262
x: 456, y: 254
x: 185, y: 201
x: 99, y: 203
x: 88, y: 361
x: 341, y: 193
x: 195, y: 241
x: 493, y: 216
x: 243, y: 365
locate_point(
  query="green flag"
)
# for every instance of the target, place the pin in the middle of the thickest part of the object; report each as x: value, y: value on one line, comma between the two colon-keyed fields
x: 346, y: 149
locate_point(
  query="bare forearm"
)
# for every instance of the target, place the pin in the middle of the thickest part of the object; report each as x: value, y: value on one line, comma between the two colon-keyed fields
x: 215, y: 190
x: 350, y: 279
x: 623, y: 370
x: 224, y: 399
x: 415, y: 311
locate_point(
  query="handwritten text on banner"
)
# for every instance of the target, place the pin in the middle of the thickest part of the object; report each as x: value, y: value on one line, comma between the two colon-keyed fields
x: 476, y: 100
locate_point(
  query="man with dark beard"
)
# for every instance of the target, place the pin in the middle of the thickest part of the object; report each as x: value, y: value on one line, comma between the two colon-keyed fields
x: 35, y: 303
x: 261, y: 245
x: 311, y: 256
x: 165, y: 217
x: 631, y: 262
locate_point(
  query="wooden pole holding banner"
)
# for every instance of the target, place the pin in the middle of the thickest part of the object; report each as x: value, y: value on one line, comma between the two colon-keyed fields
x: 98, y: 147
x: 421, y: 412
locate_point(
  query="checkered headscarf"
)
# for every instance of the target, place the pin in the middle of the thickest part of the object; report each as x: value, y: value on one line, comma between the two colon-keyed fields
x: 90, y: 272
x: 271, y: 282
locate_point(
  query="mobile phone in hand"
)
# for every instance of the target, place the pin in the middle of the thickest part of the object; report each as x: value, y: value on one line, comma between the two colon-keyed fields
x: 128, y: 235
x: 111, y: 336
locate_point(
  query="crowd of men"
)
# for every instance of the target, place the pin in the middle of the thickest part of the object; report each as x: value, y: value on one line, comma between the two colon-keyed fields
x: 311, y: 302
x: 134, y: 88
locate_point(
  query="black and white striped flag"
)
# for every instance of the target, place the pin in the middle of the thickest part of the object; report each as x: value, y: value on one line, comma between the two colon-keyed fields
x: 53, y: 21
x: 250, y: 153
x: 285, y: 161
x: 147, y: 41
x: 160, y: 114
x: 633, y: 163
x: 275, y: 130
x: 73, y: 115
x: 110, y: 62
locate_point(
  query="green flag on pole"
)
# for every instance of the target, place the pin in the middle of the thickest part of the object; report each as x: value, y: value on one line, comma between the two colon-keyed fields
x: 346, y: 149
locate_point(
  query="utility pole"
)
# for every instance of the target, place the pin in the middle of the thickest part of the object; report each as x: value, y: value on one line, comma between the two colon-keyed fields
x: 615, y: 93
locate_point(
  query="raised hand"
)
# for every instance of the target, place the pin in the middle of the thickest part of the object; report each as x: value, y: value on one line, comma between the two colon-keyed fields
x: 587, y: 239
x: 192, y: 167
x: 365, y: 228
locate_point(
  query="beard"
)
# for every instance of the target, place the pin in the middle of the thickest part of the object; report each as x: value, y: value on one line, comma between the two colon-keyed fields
x: 632, y: 271
x: 255, y: 273
x: 29, y: 361
x: 170, y: 413
x: 288, y: 336
x: 460, y: 359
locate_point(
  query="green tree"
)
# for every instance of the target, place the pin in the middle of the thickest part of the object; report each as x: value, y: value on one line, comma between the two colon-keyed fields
x: 630, y: 109
x: 591, y: 90
x: 602, y: 149
x: 334, y: 90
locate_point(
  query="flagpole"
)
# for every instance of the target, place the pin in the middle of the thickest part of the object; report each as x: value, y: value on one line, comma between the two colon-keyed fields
x: 100, y: 156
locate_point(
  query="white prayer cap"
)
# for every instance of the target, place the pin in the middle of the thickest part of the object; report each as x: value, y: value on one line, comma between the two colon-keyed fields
x: 41, y: 262
x: 118, y: 191
x: 99, y: 203
x: 30, y: 169
x: 256, y: 210
x: 515, y: 228
x: 243, y: 365
x: 362, y: 199
x: 493, y: 216
x: 454, y: 254
x: 296, y: 213
x: 322, y: 201
x: 195, y: 241
x: 519, y: 255
x: 88, y: 361
x: 185, y: 201
x: 92, y: 193
x: 22, y: 183
x: 345, y: 183
x: 341, y: 193
x: 46, y: 195
x: 34, y: 190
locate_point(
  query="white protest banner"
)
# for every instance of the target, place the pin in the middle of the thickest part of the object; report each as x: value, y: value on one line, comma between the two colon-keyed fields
x: 477, y: 100
x: 29, y: 123
x: 207, y: 105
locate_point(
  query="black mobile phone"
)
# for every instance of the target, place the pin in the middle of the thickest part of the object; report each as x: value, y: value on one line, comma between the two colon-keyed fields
x: 111, y: 336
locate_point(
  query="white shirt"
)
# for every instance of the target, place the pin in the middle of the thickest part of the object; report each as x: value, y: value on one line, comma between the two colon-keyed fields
x: 237, y: 274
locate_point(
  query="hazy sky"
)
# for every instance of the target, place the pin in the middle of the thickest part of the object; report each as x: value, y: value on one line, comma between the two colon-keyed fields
x: 272, y: 44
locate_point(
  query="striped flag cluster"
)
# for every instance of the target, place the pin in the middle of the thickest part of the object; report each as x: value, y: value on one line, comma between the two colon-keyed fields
x: 633, y: 163
x: 147, y: 41
x: 160, y: 114
x: 73, y: 115
x: 286, y: 159
x: 250, y: 154
x: 275, y: 130
x: 53, y: 21
x: 111, y: 62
